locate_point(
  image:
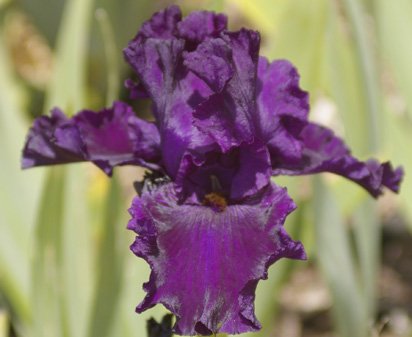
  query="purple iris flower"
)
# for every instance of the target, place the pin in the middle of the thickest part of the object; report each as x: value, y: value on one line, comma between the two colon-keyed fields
x: 208, y: 219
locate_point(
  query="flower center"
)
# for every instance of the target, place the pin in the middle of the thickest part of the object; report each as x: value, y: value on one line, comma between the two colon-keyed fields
x: 215, y: 200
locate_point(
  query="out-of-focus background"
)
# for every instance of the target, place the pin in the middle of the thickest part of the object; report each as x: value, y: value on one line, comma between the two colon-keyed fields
x: 65, y: 267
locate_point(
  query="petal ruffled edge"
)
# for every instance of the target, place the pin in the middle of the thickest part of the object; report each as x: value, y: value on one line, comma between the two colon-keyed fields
x: 166, y: 230
x: 199, y: 25
x: 108, y: 138
x: 45, y: 146
x: 162, y: 25
x: 282, y: 109
x: 323, y: 151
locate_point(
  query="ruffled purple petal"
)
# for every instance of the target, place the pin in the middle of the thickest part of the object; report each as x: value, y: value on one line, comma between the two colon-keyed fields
x: 52, y: 140
x: 167, y: 25
x: 107, y: 138
x: 324, y: 152
x: 212, y: 62
x: 206, y: 264
x: 116, y: 136
x: 279, y: 94
x: 162, y: 25
x: 229, y: 66
x: 179, y: 86
x: 201, y: 24
x: 174, y: 92
x: 282, y: 109
x: 156, y: 63
x: 297, y: 146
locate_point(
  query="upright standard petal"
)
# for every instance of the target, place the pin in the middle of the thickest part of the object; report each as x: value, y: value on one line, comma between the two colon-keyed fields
x: 282, y: 109
x: 229, y: 66
x: 174, y: 92
x: 205, y: 262
x: 107, y: 138
x: 322, y: 151
x: 167, y: 67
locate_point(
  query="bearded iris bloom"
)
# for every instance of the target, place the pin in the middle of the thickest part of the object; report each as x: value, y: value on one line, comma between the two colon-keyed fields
x: 208, y: 219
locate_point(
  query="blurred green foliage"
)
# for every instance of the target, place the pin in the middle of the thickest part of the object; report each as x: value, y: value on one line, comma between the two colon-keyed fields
x: 65, y: 269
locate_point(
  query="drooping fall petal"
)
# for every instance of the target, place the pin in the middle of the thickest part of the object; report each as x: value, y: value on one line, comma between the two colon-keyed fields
x: 206, y: 263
